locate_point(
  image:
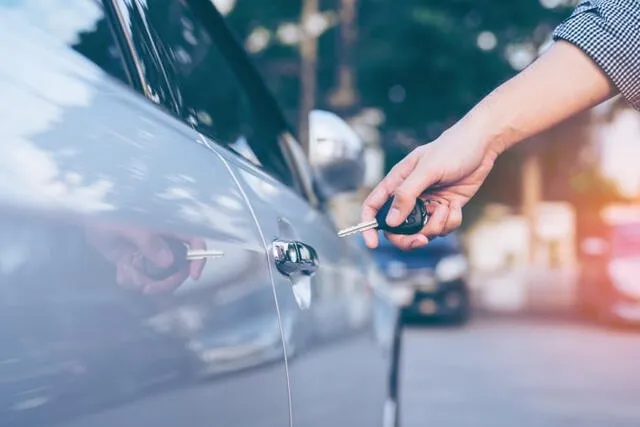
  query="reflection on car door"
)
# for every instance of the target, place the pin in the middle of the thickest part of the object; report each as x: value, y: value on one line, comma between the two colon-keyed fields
x: 88, y: 168
x: 326, y: 319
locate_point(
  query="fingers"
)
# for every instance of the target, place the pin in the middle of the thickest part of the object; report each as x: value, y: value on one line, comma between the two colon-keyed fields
x: 130, y: 277
x: 406, y: 193
x: 438, y: 214
x: 194, y: 269
x: 407, y: 243
x: 381, y: 193
x: 130, y: 273
x: 435, y: 226
x: 126, y: 246
x: 152, y: 246
x: 454, y: 220
x: 442, y: 220
x: 370, y: 236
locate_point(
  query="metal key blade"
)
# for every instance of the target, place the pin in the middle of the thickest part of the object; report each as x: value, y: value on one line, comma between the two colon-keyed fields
x: 195, y: 254
x: 359, y: 228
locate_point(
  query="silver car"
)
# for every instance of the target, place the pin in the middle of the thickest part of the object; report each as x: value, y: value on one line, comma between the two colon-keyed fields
x: 166, y: 257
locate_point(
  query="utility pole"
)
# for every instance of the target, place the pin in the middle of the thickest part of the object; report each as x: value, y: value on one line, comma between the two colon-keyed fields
x: 531, y: 197
x: 308, y: 69
x: 345, y: 97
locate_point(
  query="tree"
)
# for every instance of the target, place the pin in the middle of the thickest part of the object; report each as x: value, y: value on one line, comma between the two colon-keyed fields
x: 424, y: 63
x: 428, y: 62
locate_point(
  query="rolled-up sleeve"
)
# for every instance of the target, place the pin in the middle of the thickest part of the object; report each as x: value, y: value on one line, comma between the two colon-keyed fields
x: 609, y: 32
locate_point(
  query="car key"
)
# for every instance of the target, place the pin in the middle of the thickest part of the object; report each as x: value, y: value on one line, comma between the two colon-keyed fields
x: 181, y: 257
x: 412, y: 225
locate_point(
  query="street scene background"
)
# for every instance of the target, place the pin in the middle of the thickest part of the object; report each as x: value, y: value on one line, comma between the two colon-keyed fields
x: 403, y: 71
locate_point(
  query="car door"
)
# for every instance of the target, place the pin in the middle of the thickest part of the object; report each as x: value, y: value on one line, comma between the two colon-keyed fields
x: 339, y: 369
x: 93, y: 175
x: 326, y: 303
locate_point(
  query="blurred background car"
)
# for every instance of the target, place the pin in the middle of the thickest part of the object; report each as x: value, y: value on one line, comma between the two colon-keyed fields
x: 608, y: 289
x: 430, y: 282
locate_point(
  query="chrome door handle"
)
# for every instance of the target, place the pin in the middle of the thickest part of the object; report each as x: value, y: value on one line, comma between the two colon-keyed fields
x: 293, y: 257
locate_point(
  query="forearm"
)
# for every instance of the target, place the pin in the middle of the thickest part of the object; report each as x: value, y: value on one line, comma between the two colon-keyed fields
x: 561, y: 83
x: 597, y: 54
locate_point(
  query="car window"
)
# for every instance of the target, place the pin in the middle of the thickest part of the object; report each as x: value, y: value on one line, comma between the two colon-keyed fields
x: 81, y: 24
x: 208, y: 95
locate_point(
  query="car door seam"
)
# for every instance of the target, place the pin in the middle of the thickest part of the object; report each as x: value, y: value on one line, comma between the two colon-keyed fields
x: 271, y: 275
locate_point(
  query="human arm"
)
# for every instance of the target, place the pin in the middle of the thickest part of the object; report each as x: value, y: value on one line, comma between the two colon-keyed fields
x: 570, y: 77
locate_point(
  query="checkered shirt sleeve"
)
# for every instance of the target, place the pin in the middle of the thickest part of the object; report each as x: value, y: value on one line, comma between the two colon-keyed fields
x: 609, y: 32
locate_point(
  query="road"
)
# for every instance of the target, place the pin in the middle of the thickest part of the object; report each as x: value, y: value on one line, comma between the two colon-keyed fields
x: 521, y: 372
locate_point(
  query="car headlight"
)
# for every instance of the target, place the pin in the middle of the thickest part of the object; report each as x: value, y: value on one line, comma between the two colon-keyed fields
x: 451, y: 268
x: 396, y: 270
x: 625, y: 276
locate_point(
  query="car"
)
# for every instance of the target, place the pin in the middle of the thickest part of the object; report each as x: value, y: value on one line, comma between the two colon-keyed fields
x: 608, y: 290
x: 167, y: 254
x: 430, y: 282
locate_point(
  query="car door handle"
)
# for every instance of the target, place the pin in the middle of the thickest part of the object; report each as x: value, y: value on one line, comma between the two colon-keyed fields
x: 294, y: 258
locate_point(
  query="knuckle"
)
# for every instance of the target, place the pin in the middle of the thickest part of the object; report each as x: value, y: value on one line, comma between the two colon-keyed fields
x: 436, y: 227
x: 417, y: 152
x: 437, y: 230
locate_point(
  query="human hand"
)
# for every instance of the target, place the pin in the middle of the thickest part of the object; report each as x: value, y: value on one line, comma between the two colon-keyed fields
x: 446, y: 173
x: 127, y: 248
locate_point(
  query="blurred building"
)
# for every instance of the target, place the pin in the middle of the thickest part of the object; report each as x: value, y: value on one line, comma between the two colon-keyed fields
x: 517, y: 266
x: 617, y: 140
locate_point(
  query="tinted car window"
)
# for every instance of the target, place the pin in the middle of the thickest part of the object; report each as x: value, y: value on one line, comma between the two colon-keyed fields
x: 209, y: 96
x: 81, y: 24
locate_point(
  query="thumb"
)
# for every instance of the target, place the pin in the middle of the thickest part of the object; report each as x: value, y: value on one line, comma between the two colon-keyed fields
x: 405, y: 195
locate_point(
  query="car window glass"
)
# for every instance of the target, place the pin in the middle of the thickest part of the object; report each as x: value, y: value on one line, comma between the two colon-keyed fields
x: 209, y: 96
x: 81, y: 24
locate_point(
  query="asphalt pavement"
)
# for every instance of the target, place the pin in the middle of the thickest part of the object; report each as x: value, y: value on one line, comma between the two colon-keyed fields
x: 525, y: 372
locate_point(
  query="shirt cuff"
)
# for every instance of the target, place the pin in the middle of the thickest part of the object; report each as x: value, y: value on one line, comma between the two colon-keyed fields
x: 610, y: 35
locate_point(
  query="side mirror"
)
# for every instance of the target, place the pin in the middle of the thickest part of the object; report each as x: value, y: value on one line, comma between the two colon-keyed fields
x: 336, y: 154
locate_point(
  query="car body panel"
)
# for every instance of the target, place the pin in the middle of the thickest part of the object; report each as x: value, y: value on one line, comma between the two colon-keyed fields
x: 83, y: 152
x: 335, y: 323
x: 86, y: 155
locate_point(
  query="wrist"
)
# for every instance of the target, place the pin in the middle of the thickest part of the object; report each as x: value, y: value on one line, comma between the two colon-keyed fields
x: 477, y: 131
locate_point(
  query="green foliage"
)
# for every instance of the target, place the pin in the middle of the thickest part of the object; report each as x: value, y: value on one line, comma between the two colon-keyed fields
x: 426, y: 49
x: 430, y: 49
x: 418, y: 61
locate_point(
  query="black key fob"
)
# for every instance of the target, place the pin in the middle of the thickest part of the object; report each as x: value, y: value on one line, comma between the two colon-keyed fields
x: 180, y: 261
x: 412, y: 225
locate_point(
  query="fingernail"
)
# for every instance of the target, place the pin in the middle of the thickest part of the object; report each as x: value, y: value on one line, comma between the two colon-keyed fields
x: 393, y: 217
